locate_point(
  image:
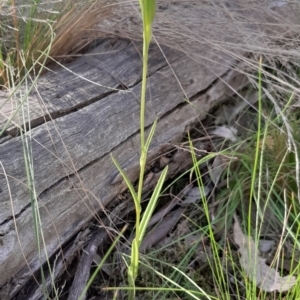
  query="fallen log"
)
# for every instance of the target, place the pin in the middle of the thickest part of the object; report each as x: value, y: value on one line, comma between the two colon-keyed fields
x: 84, y: 111
x: 79, y: 116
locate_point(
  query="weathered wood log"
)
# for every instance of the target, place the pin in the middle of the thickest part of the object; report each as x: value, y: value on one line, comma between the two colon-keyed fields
x: 84, y: 267
x: 78, y: 119
x: 82, y: 113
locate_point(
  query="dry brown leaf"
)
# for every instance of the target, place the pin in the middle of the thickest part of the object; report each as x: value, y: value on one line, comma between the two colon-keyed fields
x: 216, y: 169
x: 160, y: 232
x: 196, y: 194
x: 265, y: 245
x: 226, y: 132
x: 265, y: 277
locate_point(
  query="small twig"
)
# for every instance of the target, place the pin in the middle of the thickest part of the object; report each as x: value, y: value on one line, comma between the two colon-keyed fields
x: 159, y: 232
x: 61, y: 262
x: 83, y: 270
x: 157, y: 217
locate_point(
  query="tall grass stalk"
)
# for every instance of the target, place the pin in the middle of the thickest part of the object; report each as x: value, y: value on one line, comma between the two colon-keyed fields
x: 216, y: 266
x: 16, y: 71
x: 256, y: 188
x: 29, y: 168
x: 148, y: 12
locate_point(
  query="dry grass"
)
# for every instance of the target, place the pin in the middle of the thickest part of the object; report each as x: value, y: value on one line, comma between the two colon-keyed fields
x: 29, y: 33
x: 233, y: 27
x: 236, y: 28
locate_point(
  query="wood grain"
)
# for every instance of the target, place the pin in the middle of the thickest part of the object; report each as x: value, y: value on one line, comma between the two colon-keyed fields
x: 74, y: 175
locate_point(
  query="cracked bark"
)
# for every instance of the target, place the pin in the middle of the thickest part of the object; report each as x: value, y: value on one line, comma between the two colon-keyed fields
x: 75, y: 178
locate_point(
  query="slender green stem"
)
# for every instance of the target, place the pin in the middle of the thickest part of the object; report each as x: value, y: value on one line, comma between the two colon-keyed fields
x: 136, y: 243
x: 143, y: 156
x: 148, y: 12
x: 143, y: 94
x: 256, y: 160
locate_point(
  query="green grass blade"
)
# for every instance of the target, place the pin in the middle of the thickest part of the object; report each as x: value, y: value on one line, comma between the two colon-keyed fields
x: 127, y: 180
x: 152, y: 203
x: 149, y: 11
x: 150, y: 136
x: 193, y: 283
x: 133, y: 268
x: 257, y: 153
x: 174, y: 283
x: 42, y: 59
x: 148, y: 16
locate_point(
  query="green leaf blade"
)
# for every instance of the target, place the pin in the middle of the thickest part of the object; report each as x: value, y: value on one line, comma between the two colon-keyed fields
x: 150, y: 136
x: 127, y: 180
x: 149, y: 11
x: 152, y: 203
